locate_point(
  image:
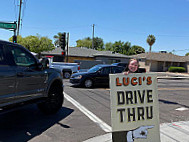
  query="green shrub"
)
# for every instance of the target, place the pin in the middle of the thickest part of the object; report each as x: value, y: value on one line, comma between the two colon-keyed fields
x: 177, y: 69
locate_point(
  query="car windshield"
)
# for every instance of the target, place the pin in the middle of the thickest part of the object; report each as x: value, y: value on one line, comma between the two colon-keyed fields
x: 94, y: 69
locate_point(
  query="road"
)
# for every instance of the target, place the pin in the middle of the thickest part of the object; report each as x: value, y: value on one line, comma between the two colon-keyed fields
x: 72, y: 125
x: 173, y: 94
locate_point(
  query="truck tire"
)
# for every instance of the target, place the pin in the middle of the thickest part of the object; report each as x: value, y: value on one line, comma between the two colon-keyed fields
x: 53, y: 102
x: 88, y: 83
x: 66, y: 74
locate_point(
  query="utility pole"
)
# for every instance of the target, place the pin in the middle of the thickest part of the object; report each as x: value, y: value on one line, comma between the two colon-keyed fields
x: 19, y: 18
x: 93, y: 38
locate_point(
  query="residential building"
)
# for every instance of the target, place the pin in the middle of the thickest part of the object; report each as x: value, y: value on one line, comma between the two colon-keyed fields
x: 154, y: 62
x: 87, y: 57
x: 160, y: 62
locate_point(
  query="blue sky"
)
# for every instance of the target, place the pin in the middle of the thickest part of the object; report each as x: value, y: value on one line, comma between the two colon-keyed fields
x: 125, y: 20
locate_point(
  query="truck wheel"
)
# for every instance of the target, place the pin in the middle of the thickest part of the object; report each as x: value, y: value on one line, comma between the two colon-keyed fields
x: 88, y: 83
x: 53, y: 102
x: 67, y: 75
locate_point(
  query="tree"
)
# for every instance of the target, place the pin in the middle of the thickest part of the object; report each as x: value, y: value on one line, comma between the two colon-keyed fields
x: 151, y: 40
x: 118, y: 46
x: 109, y: 46
x: 56, y: 38
x: 126, y: 48
x: 98, y: 43
x: 36, y: 44
x: 87, y: 42
x: 187, y: 54
x: 137, y: 49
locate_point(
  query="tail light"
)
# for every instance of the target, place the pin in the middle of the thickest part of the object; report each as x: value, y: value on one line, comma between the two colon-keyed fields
x: 78, y: 67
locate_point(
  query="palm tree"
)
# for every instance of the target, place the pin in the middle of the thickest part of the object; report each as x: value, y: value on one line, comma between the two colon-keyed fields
x: 56, y: 38
x: 151, y: 40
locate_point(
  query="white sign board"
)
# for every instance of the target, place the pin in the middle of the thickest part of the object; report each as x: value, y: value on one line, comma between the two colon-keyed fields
x: 134, y: 106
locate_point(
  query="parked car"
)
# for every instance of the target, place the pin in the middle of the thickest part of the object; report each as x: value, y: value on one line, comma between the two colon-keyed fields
x: 123, y: 64
x: 23, y: 80
x: 98, y: 74
x: 66, y: 68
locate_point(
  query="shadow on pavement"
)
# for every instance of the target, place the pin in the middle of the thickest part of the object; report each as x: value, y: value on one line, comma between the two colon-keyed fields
x: 27, y: 122
x: 173, y: 103
x: 94, y: 87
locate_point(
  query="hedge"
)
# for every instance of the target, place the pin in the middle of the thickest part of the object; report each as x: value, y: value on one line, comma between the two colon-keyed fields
x: 177, y: 69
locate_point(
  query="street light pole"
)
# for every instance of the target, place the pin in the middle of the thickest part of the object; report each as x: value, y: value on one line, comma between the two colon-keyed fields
x: 19, y: 17
x: 93, y: 38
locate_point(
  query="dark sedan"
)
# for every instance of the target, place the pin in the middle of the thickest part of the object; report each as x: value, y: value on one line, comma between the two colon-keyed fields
x: 98, y: 74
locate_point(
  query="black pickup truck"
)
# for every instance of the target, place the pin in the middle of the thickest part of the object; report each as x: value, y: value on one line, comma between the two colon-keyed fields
x: 23, y: 79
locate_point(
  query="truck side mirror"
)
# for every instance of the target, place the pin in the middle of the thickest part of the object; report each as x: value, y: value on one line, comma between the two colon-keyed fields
x: 45, y: 62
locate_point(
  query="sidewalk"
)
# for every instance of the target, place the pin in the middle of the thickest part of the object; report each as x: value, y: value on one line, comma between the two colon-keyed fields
x: 176, y: 74
x: 169, y: 132
x: 169, y: 75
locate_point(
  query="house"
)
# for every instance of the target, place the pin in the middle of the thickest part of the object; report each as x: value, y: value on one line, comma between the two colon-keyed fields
x: 160, y: 62
x: 87, y: 57
x: 155, y: 62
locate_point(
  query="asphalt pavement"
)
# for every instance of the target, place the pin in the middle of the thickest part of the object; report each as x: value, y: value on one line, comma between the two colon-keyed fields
x: 29, y: 125
x: 169, y: 132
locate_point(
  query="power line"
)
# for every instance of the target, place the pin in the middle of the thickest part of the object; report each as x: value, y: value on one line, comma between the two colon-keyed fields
x: 63, y: 27
x: 23, y: 10
x: 181, y: 50
x: 15, y: 8
x: 173, y: 50
x: 140, y: 33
